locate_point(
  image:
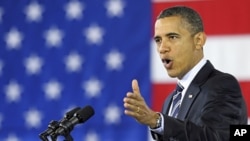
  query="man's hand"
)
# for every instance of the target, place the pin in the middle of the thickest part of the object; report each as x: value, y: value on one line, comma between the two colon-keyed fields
x: 136, y: 107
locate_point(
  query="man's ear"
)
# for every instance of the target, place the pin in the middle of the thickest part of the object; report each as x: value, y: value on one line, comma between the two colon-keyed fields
x: 199, y: 40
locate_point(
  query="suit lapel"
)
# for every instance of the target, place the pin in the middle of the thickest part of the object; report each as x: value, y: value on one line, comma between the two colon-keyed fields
x: 187, y: 101
x: 194, y: 89
x: 191, y: 93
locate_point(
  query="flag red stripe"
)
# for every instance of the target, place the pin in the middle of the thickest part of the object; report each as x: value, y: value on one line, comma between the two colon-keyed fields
x: 245, y: 86
x: 219, y: 16
x: 160, y: 92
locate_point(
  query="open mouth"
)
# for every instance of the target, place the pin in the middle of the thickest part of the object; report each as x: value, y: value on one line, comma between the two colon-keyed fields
x: 166, y: 61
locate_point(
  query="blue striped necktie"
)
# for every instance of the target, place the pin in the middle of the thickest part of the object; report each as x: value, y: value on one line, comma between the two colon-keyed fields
x: 176, y: 101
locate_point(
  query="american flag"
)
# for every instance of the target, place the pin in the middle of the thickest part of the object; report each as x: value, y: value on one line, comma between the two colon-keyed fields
x: 56, y: 55
x: 59, y: 54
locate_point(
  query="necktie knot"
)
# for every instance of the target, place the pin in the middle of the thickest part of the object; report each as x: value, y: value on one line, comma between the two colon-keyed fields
x: 179, y: 88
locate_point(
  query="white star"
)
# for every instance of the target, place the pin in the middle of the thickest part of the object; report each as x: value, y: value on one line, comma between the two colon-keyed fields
x: 13, y: 39
x: 13, y: 91
x: 91, y: 136
x: 1, y: 67
x: 115, y: 8
x: 94, y: 34
x: 114, y: 60
x: 1, y: 14
x: 74, y: 9
x: 34, y: 12
x: 12, y: 137
x: 1, y: 120
x: 53, y: 37
x: 33, y: 64
x: 92, y: 87
x: 73, y: 62
x: 112, y: 114
x: 53, y: 89
x: 33, y: 118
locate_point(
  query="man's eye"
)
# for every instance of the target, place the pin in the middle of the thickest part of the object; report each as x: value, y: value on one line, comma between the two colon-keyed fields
x: 172, y: 37
x: 157, y: 40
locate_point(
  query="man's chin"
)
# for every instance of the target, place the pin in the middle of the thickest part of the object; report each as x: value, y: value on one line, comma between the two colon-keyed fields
x: 171, y: 74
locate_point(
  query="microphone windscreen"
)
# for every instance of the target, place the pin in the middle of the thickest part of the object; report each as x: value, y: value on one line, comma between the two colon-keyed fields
x: 85, y: 113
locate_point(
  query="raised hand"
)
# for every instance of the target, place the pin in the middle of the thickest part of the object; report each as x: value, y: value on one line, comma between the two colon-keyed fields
x: 136, y: 107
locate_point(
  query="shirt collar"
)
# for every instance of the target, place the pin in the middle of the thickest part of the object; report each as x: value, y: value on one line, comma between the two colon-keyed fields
x: 187, y: 79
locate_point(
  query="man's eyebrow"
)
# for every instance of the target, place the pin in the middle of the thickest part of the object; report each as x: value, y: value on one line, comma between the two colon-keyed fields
x: 172, y: 34
x: 168, y: 34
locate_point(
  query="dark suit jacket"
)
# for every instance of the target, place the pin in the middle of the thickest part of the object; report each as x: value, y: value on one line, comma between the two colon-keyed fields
x: 212, y: 102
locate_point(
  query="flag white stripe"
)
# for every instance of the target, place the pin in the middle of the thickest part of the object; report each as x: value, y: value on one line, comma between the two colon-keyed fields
x: 230, y: 54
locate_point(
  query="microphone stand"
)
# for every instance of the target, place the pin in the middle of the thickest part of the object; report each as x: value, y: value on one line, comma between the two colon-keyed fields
x: 65, y: 126
x: 53, y: 125
x: 67, y: 137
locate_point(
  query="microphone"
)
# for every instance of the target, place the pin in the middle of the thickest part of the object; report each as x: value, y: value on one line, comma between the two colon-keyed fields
x: 53, y: 125
x: 79, y: 117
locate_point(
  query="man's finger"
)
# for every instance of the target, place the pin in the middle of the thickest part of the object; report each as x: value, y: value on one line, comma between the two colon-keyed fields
x: 135, y: 87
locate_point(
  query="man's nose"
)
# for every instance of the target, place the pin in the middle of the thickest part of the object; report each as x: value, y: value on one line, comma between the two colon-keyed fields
x: 164, y: 47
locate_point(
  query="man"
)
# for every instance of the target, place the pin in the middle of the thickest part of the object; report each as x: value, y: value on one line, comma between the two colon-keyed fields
x: 210, y: 100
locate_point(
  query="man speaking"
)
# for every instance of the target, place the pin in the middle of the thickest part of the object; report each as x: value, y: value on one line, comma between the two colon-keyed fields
x: 205, y: 102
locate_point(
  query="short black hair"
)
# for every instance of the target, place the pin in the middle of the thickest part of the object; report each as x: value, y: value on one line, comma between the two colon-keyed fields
x: 188, y: 16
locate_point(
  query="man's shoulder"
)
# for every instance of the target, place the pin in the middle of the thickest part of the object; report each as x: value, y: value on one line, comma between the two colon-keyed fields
x: 210, y: 73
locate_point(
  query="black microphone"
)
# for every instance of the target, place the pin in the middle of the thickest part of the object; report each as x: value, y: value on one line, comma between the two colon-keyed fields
x: 79, y: 117
x: 53, y: 125
x: 70, y: 113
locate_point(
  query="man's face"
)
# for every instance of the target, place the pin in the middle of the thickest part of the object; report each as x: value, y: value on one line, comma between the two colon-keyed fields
x: 176, y: 46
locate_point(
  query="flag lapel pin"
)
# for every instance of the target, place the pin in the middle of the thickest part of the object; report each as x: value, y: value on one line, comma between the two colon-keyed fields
x: 190, y: 96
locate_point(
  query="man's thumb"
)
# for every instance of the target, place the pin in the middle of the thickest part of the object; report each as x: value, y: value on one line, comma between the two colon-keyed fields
x: 135, y: 87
